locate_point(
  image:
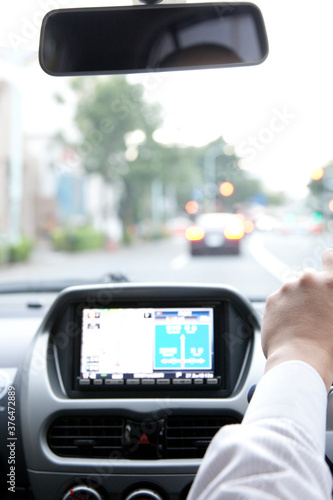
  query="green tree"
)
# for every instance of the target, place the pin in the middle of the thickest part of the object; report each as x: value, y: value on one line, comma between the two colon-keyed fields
x: 116, y: 128
x: 321, y: 190
x: 316, y: 187
x: 109, y: 114
x: 107, y: 110
x: 227, y: 169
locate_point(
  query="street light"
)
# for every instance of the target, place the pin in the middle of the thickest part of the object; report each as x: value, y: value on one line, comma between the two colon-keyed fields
x: 330, y: 205
x: 192, y: 207
x: 317, y: 174
x: 226, y: 189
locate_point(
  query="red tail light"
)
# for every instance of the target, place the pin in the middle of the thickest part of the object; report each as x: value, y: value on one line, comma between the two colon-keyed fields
x: 194, y: 233
x: 235, y: 228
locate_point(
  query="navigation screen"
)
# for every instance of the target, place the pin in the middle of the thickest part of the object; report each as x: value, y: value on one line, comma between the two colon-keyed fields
x: 147, y: 343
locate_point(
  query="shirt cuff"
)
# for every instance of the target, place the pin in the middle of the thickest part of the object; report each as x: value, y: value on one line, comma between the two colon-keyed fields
x: 292, y: 390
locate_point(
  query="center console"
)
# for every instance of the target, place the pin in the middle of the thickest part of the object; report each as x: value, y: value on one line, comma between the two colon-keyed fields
x: 126, y: 385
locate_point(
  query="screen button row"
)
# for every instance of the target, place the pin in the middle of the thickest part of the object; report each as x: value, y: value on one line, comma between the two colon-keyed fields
x: 149, y: 381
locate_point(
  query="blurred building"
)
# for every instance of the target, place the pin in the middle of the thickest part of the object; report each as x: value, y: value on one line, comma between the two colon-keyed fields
x: 42, y: 182
x: 4, y: 154
x: 28, y: 200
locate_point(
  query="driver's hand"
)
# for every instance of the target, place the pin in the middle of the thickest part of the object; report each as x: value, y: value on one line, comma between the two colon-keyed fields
x: 298, y: 321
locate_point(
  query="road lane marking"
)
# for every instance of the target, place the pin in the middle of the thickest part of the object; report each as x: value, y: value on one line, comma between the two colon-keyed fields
x: 179, y: 262
x: 266, y: 259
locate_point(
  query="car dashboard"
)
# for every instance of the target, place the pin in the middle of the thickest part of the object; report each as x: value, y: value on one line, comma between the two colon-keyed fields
x: 122, y: 388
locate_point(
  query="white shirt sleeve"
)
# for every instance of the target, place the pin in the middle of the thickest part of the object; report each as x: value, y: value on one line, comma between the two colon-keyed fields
x: 278, y: 450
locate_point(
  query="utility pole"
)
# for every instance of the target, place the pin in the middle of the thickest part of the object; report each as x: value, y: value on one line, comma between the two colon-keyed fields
x: 210, y: 181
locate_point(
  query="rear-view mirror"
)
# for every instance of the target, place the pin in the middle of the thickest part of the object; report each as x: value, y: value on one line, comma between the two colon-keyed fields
x: 141, y: 38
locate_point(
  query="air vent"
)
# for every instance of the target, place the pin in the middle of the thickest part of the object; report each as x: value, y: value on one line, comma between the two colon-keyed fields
x: 107, y: 436
x: 86, y: 437
x: 189, y: 437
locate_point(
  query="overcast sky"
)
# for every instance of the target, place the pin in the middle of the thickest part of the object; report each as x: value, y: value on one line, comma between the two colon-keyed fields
x: 278, y: 115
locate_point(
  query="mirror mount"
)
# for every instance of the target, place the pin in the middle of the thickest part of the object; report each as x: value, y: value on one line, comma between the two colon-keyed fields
x: 150, y: 2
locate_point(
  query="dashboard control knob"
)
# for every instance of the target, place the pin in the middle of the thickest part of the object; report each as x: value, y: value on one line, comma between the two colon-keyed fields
x: 143, y: 494
x: 82, y: 493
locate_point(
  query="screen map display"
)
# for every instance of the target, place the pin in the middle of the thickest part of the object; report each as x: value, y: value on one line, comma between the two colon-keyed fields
x: 147, y: 343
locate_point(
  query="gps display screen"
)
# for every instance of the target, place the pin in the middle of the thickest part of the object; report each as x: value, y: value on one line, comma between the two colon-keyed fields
x: 147, y: 343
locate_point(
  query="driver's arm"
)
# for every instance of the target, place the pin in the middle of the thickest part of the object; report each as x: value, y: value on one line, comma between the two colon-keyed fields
x: 278, y: 450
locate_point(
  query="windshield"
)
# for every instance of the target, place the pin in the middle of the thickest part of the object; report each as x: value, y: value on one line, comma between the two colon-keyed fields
x: 111, y: 175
